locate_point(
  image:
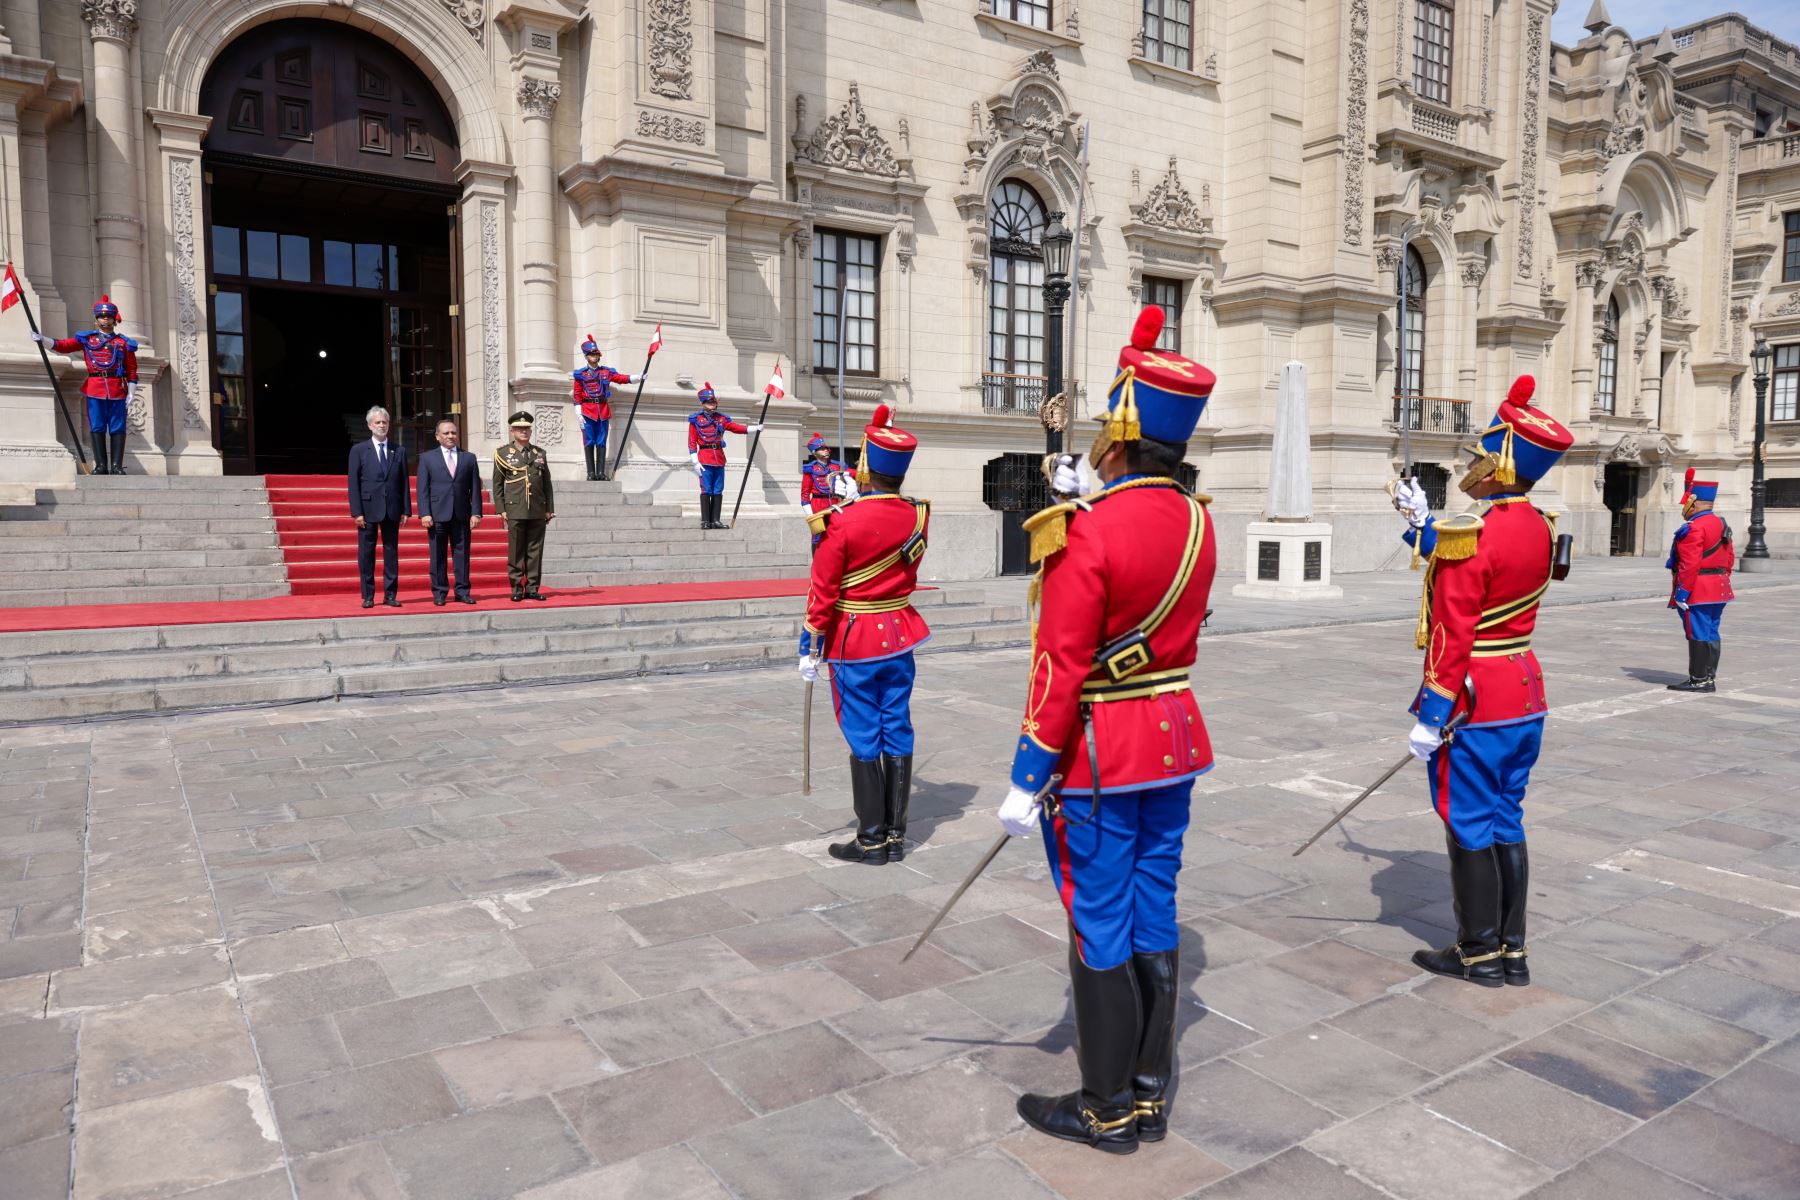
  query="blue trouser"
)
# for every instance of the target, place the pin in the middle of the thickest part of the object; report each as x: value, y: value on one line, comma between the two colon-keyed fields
x: 712, y: 480
x: 1701, y: 621
x: 1116, y: 870
x: 874, y: 705
x: 593, y: 431
x: 1478, y: 780
x: 106, y: 416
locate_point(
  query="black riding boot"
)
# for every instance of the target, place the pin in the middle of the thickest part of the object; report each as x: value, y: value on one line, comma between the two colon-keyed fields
x: 705, y: 511
x: 1697, y: 680
x: 588, y: 451
x: 1475, y: 890
x: 1712, y: 665
x: 1515, y: 877
x: 899, y: 795
x: 718, y: 505
x: 868, y: 795
x: 1156, y: 982
x: 600, y: 472
x: 100, y: 455
x: 1108, y: 1021
x: 118, y: 454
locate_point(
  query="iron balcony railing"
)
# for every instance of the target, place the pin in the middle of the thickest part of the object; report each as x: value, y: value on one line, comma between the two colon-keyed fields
x: 1434, y: 414
x: 1012, y: 393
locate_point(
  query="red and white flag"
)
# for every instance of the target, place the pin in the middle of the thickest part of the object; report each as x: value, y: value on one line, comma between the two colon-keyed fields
x: 11, y: 290
x: 656, y: 339
x: 777, y: 386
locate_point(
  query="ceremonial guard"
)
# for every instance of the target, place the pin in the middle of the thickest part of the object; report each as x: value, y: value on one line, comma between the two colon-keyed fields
x: 1700, y: 559
x: 706, y: 450
x: 860, y: 619
x: 593, y: 392
x: 1483, y: 583
x: 523, y: 496
x: 112, y: 379
x: 1123, y: 587
x: 823, y: 482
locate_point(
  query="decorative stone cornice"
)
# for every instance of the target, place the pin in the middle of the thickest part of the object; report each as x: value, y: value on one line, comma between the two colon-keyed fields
x: 671, y: 37
x: 848, y: 141
x: 538, y: 97
x: 115, y: 19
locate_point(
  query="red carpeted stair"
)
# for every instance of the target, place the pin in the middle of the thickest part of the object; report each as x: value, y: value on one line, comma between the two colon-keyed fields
x: 318, y: 539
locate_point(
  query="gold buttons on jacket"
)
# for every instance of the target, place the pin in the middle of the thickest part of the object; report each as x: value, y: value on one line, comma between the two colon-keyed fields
x: 1168, y: 760
x: 1165, y: 727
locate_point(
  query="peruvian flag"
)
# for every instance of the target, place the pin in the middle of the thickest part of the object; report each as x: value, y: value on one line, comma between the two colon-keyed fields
x: 11, y: 290
x: 777, y: 386
x: 656, y: 339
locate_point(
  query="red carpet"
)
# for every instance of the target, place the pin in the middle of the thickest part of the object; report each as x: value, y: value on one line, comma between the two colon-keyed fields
x: 416, y: 603
x: 318, y: 539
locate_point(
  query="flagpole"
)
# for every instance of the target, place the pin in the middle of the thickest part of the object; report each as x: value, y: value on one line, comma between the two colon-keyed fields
x: 626, y: 436
x: 55, y: 383
x: 750, y: 460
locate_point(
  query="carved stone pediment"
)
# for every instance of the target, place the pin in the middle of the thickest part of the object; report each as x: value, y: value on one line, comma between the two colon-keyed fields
x: 1170, y: 206
x: 1640, y: 448
x: 848, y: 141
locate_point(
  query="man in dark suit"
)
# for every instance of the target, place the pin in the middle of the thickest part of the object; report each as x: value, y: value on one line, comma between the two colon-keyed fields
x: 449, y: 508
x: 380, y: 501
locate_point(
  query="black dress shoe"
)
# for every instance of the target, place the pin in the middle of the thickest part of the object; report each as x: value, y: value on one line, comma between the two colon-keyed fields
x: 368, y: 604
x: 391, y: 602
x: 518, y: 595
x: 465, y: 599
x: 536, y: 595
x: 438, y: 600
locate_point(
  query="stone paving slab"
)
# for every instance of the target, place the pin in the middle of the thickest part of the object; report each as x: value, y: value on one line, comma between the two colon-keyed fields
x: 530, y: 943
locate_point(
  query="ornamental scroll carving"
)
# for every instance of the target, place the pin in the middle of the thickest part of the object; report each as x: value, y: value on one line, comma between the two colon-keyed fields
x: 493, y: 396
x: 1169, y: 206
x: 187, y: 337
x: 1725, y: 228
x: 850, y: 141
x: 671, y: 48
x: 538, y: 97
x: 671, y: 128
x: 1528, y: 149
x: 1356, y: 123
x: 1791, y: 308
x: 116, y: 19
x: 471, y: 14
x: 1043, y: 63
x: 547, y: 424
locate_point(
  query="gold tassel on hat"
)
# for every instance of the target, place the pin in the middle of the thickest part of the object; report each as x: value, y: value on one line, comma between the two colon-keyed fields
x: 1122, y: 423
x: 1507, y: 472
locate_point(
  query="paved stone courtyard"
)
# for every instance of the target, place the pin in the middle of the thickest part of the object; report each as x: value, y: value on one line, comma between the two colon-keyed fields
x: 585, y: 941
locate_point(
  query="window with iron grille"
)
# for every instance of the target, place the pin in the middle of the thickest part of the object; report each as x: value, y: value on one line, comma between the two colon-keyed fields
x: 1166, y: 295
x: 1606, y: 388
x: 1785, y: 400
x: 857, y: 261
x: 1016, y: 221
x: 1412, y: 359
x: 1433, y: 38
x: 1025, y: 12
x: 1790, y: 248
x: 1169, y: 32
x: 1781, y: 493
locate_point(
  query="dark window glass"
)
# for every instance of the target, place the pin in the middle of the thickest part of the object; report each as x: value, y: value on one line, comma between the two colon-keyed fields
x: 369, y: 258
x: 1169, y: 32
x: 856, y: 260
x: 1785, y: 398
x: 1166, y: 295
x: 1412, y: 367
x: 1781, y: 493
x: 227, y: 255
x: 1025, y: 12
x: 1606, y: 386
x: 296, y: 258
x: 264, y: 249
x: 340, y: 270
x: 1433, y: 29
x: 1016, y: 281
x: 228, y: 312
x: 1790, y: 255
x: 230, y: 359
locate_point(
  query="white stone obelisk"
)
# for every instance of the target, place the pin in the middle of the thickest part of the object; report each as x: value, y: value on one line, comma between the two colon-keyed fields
x: 1288, y: 555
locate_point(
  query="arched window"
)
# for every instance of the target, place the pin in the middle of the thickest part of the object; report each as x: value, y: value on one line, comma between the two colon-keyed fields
x: 1411, y: 379
x: 1606, y: 388
x: 1015, y: 371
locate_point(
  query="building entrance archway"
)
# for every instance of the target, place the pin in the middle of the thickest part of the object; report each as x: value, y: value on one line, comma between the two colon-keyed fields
x: 333, y: 246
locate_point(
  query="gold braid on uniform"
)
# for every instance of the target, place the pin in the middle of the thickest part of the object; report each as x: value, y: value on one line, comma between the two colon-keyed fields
x: 524, y: 472
x: 1457, y: 538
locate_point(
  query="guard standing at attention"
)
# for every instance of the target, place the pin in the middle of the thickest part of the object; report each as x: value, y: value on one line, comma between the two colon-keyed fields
x: 1124, y: 582
x: 860, y: 619
x: 523, y: 497
x: 706, y: 450
x: 823, y: 481
x: 1485, y: 579
x: 592, y: 390
x: 1700, y: 559
x: 112, y: 380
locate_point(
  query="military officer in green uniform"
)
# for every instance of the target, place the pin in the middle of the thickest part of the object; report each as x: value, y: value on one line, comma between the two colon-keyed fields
x: 522, y: 494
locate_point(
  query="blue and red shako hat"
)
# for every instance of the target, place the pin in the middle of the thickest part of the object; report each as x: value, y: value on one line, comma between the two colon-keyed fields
x: 1159, y: 393
x: 590, y: 346
x: 1524, y: 442
x: 886, y: 449
x: 104, y: 307
x: 1698, y: 489
x: 707, y: 393
x: 815, y: 443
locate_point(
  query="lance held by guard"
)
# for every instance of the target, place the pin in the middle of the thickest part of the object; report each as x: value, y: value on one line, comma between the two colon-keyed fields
x: 1484, y: 579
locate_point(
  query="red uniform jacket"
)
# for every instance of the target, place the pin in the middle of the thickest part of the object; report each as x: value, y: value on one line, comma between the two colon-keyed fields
x: 592, y: 389
x: 1481, y: 611
x: 1122, y: 557
x: 815, y: 485
x: 111, y: 362
x: 859, y: 606
x: 1701, y: 559
x: 706, y: 434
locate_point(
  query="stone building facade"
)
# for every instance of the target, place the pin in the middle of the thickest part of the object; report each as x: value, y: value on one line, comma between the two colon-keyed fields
x: 308, y: 206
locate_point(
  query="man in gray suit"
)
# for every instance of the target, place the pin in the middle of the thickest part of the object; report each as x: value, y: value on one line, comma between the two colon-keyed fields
x: 380, y: 501
x: 449, y: 509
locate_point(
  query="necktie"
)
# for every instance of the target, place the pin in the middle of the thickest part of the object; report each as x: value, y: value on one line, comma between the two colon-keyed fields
x: 381, y: 453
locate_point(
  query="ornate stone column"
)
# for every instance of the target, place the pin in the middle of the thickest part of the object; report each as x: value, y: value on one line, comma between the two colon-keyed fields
x: 1648, y: 398
x: 118, y: 227
x: 487, y: 324
x: 537, y: 226
x: 1474, y: 270
x: 1581, y: 353
x: 183, y: 329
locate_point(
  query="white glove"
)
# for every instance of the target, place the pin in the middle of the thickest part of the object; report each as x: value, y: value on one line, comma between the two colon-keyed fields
x: 1423, y: 740
x: 1073, y: 476
x: 753, y: 429
x: 1410, y: 500
x: 40, y: 338
x: 131, y: 393
x: 1019, y: 813
x: 695, y: 459
x: 809, y: 668
x: 845, y: 487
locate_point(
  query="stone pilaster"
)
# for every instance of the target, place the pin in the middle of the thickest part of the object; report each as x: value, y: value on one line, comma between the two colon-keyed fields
x: 535, y: 229
x: 184, y: 330
x: 118, y: 221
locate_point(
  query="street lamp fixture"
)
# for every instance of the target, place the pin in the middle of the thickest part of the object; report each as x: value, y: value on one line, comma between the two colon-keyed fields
x: 1056, y: 245
x: 1757, y: 548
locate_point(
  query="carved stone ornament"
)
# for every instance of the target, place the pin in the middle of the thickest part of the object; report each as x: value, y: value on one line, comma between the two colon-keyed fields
x: 1168, y: 205
x: 538, y: 97
x: 187, y: 334
x: 472, y: 15
x: 671, y: 37
x: 116, y: 19
x: 1588, y: 273
x: 1740, y: 312
x: 547, y: 424
x: 1474, y: 272
x: 1387, y: 257
x: 850, y: 141
x: 1356, y: 122
x: 1791, y: 307
x: 493, y: 396
x: 1043, y: 62
x: 1547, y: 285
x: 1053, y: 413
x: 1627, y: 139
x: 671, y: 128
x: 1528, y: 143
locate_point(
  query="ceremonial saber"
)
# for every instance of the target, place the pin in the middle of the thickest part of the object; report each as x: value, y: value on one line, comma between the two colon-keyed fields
x: 626, y: 436
x: 993, y: 852
x: 1450, y: 728
x: 750, y: 459
x: 56, y: 386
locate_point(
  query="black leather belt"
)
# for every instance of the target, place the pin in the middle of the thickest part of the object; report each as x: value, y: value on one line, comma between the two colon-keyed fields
x: 1715, y: 570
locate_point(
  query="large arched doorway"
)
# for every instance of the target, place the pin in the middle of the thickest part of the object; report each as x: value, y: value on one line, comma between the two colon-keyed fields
x: 331, y: 214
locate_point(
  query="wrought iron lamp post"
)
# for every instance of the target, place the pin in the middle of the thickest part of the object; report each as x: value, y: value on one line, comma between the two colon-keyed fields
x: 1756, y: 548
x: 1056, y: 244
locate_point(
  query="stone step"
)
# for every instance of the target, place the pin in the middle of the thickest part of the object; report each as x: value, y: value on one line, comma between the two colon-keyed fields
x: 186, y: 483
x: 186, y: 594
x: 185, y: 509
x: 81, y: 498
x: 42, y: 526
x: 132, y: 577
x: 76, y: 558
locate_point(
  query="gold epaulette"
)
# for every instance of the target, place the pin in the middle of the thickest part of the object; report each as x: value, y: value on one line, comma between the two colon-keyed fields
x: 816, y: 521
x: 1457, y: 537
x: 1049, y: 528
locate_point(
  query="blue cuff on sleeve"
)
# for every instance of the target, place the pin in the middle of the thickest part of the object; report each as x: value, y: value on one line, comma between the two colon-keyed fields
x: 1681, y: 595
x: 1425, y: 538
x: 806, y: 641
x: 1433, y: 708
x: 1032, y: 764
